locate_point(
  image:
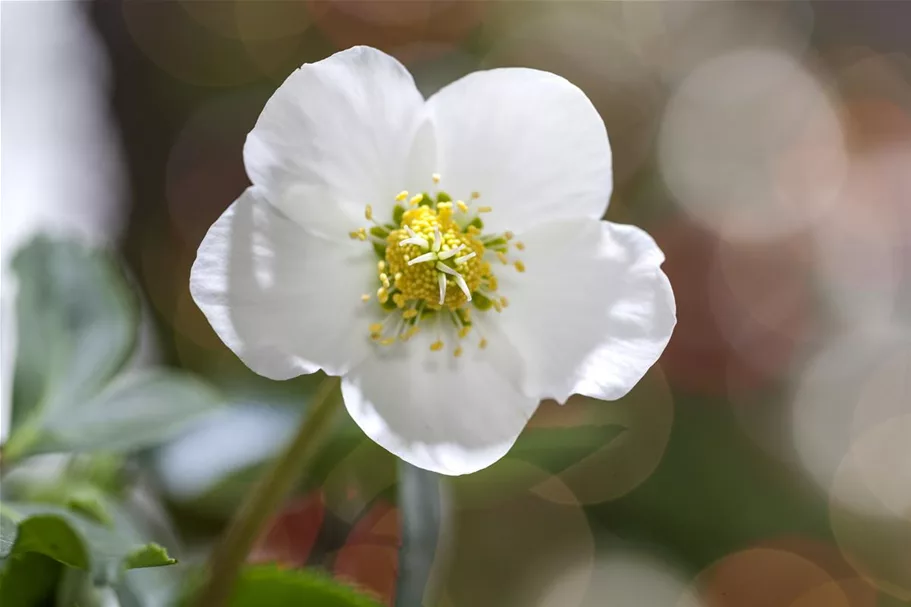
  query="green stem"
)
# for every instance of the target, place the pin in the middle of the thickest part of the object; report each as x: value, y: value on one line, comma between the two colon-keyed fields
x: 264, y: 500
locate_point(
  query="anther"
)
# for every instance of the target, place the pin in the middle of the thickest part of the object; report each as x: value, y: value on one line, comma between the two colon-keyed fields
x: 415, y: 199
x: 365, y: 297
x: 483, y: 343
x: 475, y: 195
x: 457, y: 352
x: 462, y: 206
x: 401, y: 196
x: 435, y: 177
x: 376, y: 327
x: 520, y: 266
x: 485, y: 209
x: 520, y: 245
x: 368, y: 212
x: 502, y: 257
x: 436, y: 346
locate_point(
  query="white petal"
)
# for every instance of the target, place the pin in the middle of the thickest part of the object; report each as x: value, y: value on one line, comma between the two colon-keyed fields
x: 529, y: 142
x: 284, y: 301
x: 438, y: 412
x: 592, y: 312
x: 337, y: 135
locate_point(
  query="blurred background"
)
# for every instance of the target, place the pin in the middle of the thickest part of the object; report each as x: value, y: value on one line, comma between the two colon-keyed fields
x: 765, y: 461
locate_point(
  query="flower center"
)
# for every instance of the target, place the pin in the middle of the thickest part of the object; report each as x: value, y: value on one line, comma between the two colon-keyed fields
x: 433, y: 261
x: 434, y: 266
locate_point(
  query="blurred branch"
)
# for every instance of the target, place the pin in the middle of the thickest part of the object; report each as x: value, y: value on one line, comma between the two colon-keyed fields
x: 264, y: 499
x: 421, y: 509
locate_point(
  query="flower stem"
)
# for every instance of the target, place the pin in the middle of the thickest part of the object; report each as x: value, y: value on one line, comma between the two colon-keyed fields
x: 264, y: 499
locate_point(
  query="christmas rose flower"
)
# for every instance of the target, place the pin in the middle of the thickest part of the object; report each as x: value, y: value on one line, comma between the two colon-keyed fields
x: 445, y: 256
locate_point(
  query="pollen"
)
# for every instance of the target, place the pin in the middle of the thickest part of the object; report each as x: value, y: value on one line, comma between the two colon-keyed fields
x: 439, y: 264
x: 434, y: 267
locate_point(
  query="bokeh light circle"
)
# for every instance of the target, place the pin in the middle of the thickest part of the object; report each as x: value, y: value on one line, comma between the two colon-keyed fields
x: 506, y: 553
x: 870, y: 506
x: 841, y: 392
x: 646, y: 413
x: 624, y: 578
x: 751, y: 146
x: 765, y: 577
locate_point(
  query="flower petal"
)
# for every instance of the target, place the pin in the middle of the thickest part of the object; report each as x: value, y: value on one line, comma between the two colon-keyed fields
x: 438, y: 412
x: 592, y: 312
x: 337, y: 135
x: 284, y: 301
x: 528, y: 141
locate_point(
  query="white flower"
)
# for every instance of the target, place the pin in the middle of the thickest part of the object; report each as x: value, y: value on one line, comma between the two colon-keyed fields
x: 371, y: 207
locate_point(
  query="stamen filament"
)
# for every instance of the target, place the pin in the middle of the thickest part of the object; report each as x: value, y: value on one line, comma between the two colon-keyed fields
x: 441, y: 279
x: 460, y: 260
x: 451, y: 252
x: 422, y: 258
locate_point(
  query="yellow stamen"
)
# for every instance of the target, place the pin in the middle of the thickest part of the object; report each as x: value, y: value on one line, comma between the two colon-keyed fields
x: 368, y: 212
x: 401, y: 196
x: 520, y: 266
x: 415, y: 199
x: 475, y: 195
x: 483, y: 343
x: 508, y: 235
x: 502, y: 257
x: 365, y: 297
x: 436, y: 346
x: 504, y: 302
x: 462, y: 206
x: 381, y: 266
x: 409, y: 314
x: 464, y: 331
x: 485, y: 209
x: 436, y: 177
x: 376, y: 327
x: 520, y: 245
x: 388, y: 341
x: 457, y: 352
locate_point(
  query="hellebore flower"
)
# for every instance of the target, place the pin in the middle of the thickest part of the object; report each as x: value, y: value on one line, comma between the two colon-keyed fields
x: 445, y: 256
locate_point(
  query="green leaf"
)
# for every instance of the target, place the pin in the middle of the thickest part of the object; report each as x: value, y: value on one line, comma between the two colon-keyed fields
x: 272, y: 587
x: 134, y: 412
x: 150, y: 555
x: 78, y: 542
x: 8, y: 532
x: 29, y: 579
x: 76, y: 327
x: 52, y: 536
x: 556, y: 449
